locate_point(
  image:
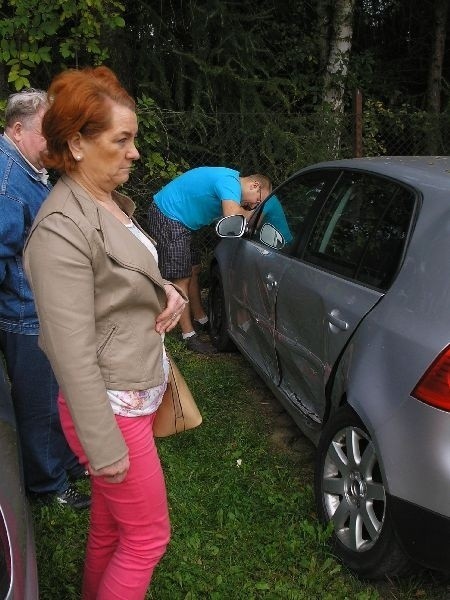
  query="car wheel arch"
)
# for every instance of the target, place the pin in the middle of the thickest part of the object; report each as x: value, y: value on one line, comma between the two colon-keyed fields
x: 339, y: 393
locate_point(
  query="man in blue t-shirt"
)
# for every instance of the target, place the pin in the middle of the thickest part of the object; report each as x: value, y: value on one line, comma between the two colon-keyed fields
x: 193, y: 200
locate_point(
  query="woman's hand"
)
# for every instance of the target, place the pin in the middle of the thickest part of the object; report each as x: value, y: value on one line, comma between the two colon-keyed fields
x: 170, y: 316
x: 114, y: 473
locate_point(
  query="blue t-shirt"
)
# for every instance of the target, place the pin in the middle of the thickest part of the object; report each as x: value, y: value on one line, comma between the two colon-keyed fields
x: 273, y: 213
x: 195, y: 197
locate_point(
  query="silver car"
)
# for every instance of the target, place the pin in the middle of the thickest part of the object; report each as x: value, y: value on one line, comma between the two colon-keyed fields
x: 338, y: 292
x: 18, y: 573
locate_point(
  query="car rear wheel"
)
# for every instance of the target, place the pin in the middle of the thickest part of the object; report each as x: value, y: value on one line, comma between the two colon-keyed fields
x: 217, y: 315
x: 350, y: 492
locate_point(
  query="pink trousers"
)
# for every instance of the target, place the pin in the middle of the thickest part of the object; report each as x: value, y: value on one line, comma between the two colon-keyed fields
x: 129, y: 523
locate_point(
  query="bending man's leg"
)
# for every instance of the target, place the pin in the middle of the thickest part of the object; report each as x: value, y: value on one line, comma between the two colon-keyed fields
x: 185, y: 321
x: 194, y: 309
x: 190, y: 337
x: 195, y: 297
x: 175, y: 263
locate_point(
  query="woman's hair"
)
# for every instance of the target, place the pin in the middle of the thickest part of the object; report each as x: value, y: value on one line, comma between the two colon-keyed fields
x: 80, y: 101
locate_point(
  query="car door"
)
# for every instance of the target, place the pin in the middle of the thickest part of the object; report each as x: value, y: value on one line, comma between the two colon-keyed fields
x: 341, y: 270
x: 257, y: 267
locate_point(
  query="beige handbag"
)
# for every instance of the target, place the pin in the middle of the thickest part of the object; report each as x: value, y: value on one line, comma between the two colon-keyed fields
x: 177, y: 411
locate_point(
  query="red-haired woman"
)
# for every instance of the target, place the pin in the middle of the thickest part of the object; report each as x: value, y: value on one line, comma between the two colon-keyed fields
x: 103, y: 309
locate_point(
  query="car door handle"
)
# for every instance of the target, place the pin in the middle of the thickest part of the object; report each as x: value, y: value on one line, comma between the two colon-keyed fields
x: 336, y: 321
x: 271, y: 282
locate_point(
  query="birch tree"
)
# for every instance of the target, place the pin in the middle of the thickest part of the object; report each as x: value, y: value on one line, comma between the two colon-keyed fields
x: 339, y: 48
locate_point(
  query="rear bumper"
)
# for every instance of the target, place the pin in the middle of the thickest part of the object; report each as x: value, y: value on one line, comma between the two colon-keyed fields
x: 424, y: 535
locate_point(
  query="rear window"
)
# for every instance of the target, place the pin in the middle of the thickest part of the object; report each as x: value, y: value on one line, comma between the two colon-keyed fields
x: 361, y: 230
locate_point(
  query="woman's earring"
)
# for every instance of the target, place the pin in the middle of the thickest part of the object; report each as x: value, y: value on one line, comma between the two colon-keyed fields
x: 78, y: 157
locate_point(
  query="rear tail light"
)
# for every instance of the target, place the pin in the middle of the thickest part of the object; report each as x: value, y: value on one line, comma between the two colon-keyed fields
x: 434, y: 386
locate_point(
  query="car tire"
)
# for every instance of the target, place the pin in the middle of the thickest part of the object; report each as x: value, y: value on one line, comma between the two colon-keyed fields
x: 218, y: 330
x: 350, y: 492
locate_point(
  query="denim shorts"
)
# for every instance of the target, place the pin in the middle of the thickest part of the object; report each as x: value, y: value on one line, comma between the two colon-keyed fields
x: 177, y: 251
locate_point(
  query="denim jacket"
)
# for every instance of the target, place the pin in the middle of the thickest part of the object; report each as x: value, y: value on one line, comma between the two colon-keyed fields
x: 21, y: 195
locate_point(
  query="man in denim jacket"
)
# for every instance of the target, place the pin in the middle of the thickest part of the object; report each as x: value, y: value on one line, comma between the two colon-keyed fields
x: 47, y: 459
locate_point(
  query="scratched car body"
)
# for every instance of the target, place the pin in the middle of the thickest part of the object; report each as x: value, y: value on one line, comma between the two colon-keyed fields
x: 341, y: 302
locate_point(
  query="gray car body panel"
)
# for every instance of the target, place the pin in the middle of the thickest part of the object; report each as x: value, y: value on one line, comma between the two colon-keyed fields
x: 390, y: 341
x: 14, y: 508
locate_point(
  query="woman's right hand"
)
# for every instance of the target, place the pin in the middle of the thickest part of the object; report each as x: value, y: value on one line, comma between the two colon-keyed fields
x: 114, y: 473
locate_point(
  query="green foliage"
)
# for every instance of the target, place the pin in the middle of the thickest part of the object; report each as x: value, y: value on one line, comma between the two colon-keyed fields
x: 38, y: 32
x: 2, y: 113
x: 151, y: 142
x: 156, y: 166
x: 400, y: 130
x: 227, y: 56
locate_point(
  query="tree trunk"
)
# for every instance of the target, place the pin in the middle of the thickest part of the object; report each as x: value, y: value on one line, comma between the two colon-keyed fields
x: 338, y: 57
x: 435, y: 74
x: 324, y: 11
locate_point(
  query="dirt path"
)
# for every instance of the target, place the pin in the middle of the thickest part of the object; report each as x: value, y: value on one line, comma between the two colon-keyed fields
x: 286, y: 437
x: 284, y: 434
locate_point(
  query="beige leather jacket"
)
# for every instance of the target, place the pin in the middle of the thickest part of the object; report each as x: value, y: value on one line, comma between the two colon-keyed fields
x: 98, y: 291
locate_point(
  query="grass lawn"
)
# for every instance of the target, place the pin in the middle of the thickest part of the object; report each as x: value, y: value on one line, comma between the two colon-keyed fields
x: 243, y: 521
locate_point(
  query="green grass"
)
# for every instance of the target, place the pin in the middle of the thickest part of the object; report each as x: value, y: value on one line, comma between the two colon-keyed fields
x: 243, y: 522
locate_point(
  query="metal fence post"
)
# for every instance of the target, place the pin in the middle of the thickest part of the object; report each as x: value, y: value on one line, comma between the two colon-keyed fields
x: 357, y: 124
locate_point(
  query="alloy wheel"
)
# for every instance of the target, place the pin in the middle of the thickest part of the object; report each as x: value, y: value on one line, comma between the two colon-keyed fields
x: 353, y: 492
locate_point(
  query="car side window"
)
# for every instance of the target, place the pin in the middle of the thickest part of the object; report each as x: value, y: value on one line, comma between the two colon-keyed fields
x: 362, y: 229
x: 289, y: 207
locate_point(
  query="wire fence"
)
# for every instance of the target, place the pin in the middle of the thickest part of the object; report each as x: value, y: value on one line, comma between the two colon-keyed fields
x: 279, y: 144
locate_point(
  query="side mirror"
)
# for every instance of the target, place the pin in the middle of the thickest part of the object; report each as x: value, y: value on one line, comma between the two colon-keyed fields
x: 231, y: 227
x: 271, y: 236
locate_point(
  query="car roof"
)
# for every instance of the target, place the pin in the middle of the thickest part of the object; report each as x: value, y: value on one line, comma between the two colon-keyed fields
x: 417, y: 171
